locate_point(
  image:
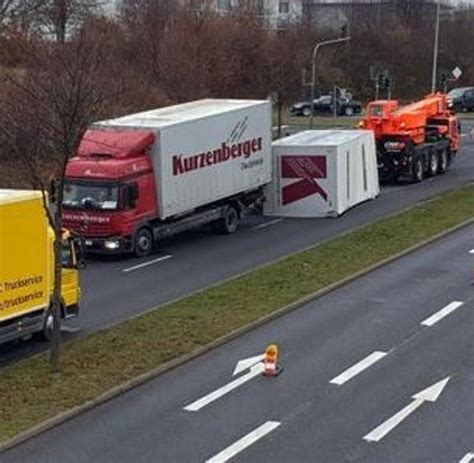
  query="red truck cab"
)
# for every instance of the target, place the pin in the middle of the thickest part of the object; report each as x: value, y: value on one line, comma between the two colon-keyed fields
x: 109, y: 193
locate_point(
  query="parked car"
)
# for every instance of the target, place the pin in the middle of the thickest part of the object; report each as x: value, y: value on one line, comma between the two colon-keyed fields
x: 461, y: 99
x: 325, y: 105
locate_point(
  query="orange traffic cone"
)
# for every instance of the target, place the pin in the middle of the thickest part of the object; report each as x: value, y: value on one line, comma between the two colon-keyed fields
x: 270, y: 361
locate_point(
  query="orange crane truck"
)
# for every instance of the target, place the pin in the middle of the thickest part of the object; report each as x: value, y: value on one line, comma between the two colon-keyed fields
x: 414, y: 140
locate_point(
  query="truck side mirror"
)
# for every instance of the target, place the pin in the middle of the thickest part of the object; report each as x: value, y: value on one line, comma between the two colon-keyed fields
x: 79, y: 250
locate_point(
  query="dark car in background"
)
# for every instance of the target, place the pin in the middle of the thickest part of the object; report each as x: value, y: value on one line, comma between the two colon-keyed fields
x: 325, y: 105
x: 461, y: 99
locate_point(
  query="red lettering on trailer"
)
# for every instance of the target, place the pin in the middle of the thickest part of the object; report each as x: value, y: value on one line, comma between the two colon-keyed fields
x: 307, y: 169
x: 183, y: 164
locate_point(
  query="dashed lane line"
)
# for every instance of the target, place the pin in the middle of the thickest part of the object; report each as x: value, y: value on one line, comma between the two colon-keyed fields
x: 244, y: 442
x: 146, y: 264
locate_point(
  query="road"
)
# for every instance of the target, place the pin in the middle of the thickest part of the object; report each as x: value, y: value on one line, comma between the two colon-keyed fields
x: 412, y: 400
x: 115, y: 290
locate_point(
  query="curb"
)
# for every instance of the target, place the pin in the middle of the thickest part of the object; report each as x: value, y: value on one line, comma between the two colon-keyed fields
x: 152, y: 374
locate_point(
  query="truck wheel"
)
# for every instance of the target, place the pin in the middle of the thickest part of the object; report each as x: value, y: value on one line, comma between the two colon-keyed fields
x: 143, y: 243
x: 433, y: 165
x: 418, y: 172
x: 443, y: 162
x: 228, y: 223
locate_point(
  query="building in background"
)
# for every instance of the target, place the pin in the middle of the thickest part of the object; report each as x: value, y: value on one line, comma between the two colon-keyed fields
x: 333, y: 14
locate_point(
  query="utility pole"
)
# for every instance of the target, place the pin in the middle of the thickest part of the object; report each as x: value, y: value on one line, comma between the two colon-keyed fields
x: 435, y: 49
x: 313, y: 70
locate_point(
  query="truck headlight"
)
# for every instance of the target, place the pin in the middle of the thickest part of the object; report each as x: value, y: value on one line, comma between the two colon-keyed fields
x: 112, y: 244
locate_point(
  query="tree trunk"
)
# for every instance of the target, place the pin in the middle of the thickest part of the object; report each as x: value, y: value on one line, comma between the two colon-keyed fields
x: 60, y: 16
x: 57, y: 298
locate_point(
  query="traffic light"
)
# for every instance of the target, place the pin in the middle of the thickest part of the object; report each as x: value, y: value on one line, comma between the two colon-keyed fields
x: 387, y: 82
x: 344, y: 30
x: 380, y: 79
x: 444, y: 82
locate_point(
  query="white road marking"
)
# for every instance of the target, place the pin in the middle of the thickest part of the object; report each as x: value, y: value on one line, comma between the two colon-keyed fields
x: 430, y: 321
x: 467, y: 458
x: 358, y: 367
x: 217, y: 394
x: 471, y: 251
x: 430, y: 394
x: 244, y: 442
x: 267, y: 224
x: 146, y: 264
x: 247, y: 363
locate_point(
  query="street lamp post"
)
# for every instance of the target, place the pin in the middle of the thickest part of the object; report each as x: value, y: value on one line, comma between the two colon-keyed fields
x: 435, y: 49
x: 313, y: 70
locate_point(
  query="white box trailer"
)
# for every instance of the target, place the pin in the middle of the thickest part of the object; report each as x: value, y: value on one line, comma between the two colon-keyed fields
x: 320, y: 173
x: 205, y: 150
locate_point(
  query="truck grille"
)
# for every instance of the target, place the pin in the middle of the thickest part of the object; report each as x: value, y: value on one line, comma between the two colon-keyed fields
x: 89, y: 228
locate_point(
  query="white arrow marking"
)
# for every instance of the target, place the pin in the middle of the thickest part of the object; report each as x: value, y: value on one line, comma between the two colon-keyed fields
x: 442, y: 313
x: 206, y: 400
x: 244, y: 442
x: 429, y: 394
x: 245, y: 364
x: 467, y: 458
x: 358, y: 367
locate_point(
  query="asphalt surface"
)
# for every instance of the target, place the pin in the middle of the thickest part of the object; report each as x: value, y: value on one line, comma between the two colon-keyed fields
x: 391, y: 311
x: 117, y: 289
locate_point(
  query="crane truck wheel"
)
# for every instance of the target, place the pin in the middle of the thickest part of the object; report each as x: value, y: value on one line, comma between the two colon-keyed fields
x: 143, y: 242
x: 443, y: 162
x: 433, y: 164
x: 230, y: 220
x: 418, y: 172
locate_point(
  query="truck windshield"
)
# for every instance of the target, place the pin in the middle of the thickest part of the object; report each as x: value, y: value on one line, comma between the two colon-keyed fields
x: 84, y: 195
x: 376, y: 110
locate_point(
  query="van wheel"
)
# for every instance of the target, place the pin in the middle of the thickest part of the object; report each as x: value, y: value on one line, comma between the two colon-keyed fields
x: 228, y: 224
x: 418, y: 173
x: 48, y: 325
x: 443, y: 162
x: 433, y: 164
x: 143, y: 242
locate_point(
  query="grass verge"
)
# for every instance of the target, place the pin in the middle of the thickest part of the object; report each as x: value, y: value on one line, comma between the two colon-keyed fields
x: 93, y: 364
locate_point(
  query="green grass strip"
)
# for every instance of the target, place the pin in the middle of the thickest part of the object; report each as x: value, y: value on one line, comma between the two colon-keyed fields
x: 319, y: 122
x: 95, y: 363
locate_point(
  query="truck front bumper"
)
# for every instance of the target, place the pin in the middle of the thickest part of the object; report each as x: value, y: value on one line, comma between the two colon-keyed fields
x: 108, y: 245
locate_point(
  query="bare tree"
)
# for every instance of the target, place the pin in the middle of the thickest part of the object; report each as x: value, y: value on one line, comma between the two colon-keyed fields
x: 17, y: 12
x: 58, y: 18
x: 44, y: 114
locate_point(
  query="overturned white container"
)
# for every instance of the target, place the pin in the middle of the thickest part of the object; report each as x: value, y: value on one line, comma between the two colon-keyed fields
x: 320, y: 173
